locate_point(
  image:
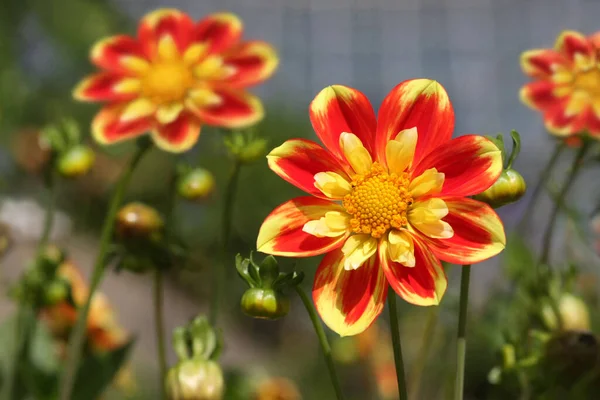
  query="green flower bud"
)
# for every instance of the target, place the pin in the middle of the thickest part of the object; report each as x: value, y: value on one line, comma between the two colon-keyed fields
x: 76, y: 162
x: 265, y: 303
x: 196, y: 184
x: 509, y: 188
x: 56, y: 292
x: 573, y: 311
x: 195, y: 380
x: 138, y: 221
x: 135, y: 263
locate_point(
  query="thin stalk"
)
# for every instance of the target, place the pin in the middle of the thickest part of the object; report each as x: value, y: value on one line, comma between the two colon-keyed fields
x: 541, y: 183
x: 325, y: 347
x: 394, y: 328
x: 220, y: 274
x: 159, y: 325
x: 50, y: 209
x: 78, y: 336
x: 576, y: 167
x: 461, y: 344
x: 423, y: 353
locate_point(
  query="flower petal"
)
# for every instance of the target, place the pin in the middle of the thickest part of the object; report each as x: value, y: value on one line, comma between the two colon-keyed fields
x: 424, y: 284
x: 120, y: 54
x: 357, y: 250
x: 109, y: 127
x: 561, y: 123
x: 416, y: 103
x: 541, y: 63
x: 177, y: 136
x: 470, y: 164
x: 333, y: 224
x: 349, y: 301
x: 220, y: 31
x: 355, y: 153
x: 107, y: 86
x: 539, y: 95
x: 299, y: 160
x: 338, y: 109
x: 429, y: 182
x: 235, y: 109
x: 576, y: 48
x: 332, y: 185
x: 252, y: 63
x: 399, y: 153
x: 478, y: 232
x: 282, y: 234
x: 165, y: 33
x: 401, y: 248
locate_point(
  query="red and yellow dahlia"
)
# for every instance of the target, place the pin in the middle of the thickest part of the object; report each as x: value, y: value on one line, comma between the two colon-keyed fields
x: 174, y: 77
x: 566, y: 86
x: 389, y: 200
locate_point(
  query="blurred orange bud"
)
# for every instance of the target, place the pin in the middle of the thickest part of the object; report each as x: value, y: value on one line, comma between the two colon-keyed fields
x: 277, y: 389
x: 138, y: 221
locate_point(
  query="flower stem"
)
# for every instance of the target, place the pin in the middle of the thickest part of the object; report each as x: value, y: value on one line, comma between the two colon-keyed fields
x: 160, y: 329
x: 220, y: 275
x: 78, y: 336
x: 461, y: 344
x: 541, y: 183
x: 395, y: 330
x: 50, y: 183
x: 547, y: 240
x: 323, y: 341
x: 423, y: 353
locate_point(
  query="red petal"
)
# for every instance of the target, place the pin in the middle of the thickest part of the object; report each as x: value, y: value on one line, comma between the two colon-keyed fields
x: 570, y: 43
x: 253, y: 62
x: 281, y: 232
x: 179, y: 135
x: 161, y: 23
x: 420, y: 103
x: 558, y: 122
x: 478, y: 232
x: 108, y: 128
x: 349, y: 301
x: 540, y: 63
x: 115, y: 54
x: 299, y: 160
x: 424, y: 284
x: 338, y: 109
x: 539, y: 95
x: 470, y: 164
x: 106, y: 86
x: 237, y: 109
x: 220, y: 31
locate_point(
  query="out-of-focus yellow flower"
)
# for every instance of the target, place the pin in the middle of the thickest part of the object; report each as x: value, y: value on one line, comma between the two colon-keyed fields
x: 566, y: 84
x: 277, y: 389
x: 174, y: 77
x: 573, y: 312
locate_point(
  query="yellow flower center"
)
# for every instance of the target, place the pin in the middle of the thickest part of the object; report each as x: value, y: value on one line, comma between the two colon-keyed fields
x: 167, y: 82
x: 588, y: 81
x: 378, y: 201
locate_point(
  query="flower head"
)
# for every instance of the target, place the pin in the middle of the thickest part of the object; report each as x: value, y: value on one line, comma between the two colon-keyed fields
x: 566, y: 86
x: 175, y: 76
x: 389, y: 200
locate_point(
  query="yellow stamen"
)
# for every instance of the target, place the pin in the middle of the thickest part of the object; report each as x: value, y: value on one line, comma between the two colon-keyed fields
x: 167, y: 82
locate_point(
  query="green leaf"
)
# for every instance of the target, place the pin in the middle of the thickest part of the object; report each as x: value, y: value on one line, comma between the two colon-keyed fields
x: 98, y: 371
x: 516, y: 147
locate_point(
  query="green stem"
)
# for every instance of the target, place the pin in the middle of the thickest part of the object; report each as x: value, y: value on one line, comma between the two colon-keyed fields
x: 395, y: 330
x: 50, y: 183
x: 541, y: 183
x: 423, y: 353
x: 78, y: 336
x: 220, y: 275
x: 160, y: 329
x: 461, y: 345
x: 323, y: 341
x: 547, y: 240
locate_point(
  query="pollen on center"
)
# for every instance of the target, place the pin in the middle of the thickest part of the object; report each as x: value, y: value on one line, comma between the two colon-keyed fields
x: 167, y: 82
x: 378, y: 201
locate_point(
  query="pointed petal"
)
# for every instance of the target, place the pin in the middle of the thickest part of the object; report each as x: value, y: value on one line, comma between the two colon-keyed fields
x: 299, y: 160
x: 401, y: 248
x: 416, y: 103
x: 281, y: 233
x: 422, y: 285
x: 167, y: 113
x: 109, y: 127
x: 478, y: 232
x: 220, y: 31
x: 236, y: 109
x: 357, y: 250
x: 539, y: 95
x: 332, y: 185
x: 355, y: 153
x: 252, y: 63
x: 470, y: 164
x: 165, y: 33
x: 561, y: 123
x: 429, y: 182
x: 179, y: 135
x: 338, y: 109
x: 121, y: 54
x: 576, y: 48
x: 541, y: 63
x: 333, y: 224
x: 399, y: 153
x: 349, y: 301
x: 136, y: 109
x: 107, y: 86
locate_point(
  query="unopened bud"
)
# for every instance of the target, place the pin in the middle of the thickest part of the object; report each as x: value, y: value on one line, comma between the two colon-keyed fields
x: 138, y: 221
x: 56, y: 292
x: 265, y: 303
x: 76, y: 162
x: 196, y: 184
x: 573, y: 311
x: 509, y: 188
x: 195, y: 380
x: 277, y: 389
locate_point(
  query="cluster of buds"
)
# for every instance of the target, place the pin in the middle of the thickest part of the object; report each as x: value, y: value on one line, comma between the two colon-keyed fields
x: 68, y: 154
x: 266, y: 298
x: 510, y: 186
x: 245, y: 146
x: 197, y: 375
